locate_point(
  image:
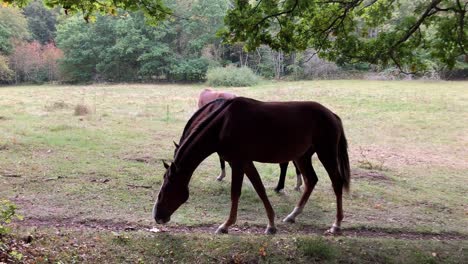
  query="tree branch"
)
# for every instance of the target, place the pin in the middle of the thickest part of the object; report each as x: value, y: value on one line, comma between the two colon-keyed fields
x: 418, y: 23
x: 277, y: 14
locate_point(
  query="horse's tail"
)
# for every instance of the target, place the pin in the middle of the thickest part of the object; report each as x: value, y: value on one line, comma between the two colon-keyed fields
x: 343, y: 159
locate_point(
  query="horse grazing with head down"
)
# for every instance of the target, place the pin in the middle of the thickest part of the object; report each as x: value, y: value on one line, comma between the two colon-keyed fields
x: 207, y: 96
x: 244, y: 130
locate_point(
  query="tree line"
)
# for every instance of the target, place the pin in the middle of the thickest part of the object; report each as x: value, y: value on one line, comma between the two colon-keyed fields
x: 39, y: 44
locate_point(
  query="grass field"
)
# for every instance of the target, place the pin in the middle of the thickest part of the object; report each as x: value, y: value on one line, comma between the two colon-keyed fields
x: 86, y: 184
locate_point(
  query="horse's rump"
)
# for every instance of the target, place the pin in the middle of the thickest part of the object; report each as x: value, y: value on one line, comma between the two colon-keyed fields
x: 208, y: 95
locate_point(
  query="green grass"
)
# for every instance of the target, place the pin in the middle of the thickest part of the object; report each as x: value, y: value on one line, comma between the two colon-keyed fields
x: 317, y: 249
x: 413, y: 134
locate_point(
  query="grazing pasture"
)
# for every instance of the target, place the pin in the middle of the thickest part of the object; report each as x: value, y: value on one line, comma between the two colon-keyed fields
x: 83, y: 165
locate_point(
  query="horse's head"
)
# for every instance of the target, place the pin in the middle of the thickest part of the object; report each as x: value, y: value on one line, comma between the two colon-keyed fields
x: 174, y: 192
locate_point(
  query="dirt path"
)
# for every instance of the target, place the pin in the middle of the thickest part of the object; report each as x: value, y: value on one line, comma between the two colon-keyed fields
x: 107, y: 225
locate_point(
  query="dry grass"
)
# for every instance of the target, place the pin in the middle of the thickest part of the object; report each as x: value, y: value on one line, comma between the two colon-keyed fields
x: 84, y: 168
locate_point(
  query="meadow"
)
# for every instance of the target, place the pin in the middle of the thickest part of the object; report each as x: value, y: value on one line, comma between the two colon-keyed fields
x: 86, y: 184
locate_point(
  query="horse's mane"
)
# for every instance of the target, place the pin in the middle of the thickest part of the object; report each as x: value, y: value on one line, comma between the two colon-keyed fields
x: 203, y: 124
x: 195, y: 116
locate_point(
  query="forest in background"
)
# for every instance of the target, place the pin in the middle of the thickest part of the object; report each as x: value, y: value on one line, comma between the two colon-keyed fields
x: 38, y: 45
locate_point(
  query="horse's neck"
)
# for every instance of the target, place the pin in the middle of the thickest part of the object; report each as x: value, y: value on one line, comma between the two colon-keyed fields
x: 196, y: 151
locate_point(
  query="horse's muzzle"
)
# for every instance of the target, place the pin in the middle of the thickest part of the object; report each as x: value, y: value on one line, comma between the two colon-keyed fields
x: 162, y: 220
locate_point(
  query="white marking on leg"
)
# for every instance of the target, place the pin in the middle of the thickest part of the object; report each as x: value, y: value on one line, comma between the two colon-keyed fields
x: 335, y: 229
x: 222, y: 229
x: 154, y: 210
x: 271, y: 229
x: 291, y: 218
x: 221, y: 175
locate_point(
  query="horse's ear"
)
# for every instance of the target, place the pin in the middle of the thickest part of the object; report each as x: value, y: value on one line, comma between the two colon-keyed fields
x: 176, y: 145
x: 165, y: 165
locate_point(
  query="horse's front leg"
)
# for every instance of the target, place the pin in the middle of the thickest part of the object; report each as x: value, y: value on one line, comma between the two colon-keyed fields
x: 254, y: 177
x: 236, y: 188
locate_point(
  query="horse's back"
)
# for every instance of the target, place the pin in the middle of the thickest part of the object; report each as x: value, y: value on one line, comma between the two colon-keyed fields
x: 292, y: 112
x: 263, y: 127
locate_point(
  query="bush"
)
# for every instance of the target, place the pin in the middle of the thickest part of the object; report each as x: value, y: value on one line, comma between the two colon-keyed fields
x: 82, y: 110
x: 189, y: 70
x: 231, y: 76
x: 7, y: 214
x: 6, y: 75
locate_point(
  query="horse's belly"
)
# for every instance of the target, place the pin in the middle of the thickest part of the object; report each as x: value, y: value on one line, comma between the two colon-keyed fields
x: 264, y: 151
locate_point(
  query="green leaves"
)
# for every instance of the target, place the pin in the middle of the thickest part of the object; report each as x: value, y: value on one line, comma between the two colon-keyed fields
x: 383, y: 32
x: 126, y: 48
x: 155, y: 10
x: 7, y: 214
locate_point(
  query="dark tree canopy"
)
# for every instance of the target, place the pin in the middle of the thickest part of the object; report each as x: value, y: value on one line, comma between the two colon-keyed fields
x: 156, y: 10
x: 409, y: 34
x: 41, y: 21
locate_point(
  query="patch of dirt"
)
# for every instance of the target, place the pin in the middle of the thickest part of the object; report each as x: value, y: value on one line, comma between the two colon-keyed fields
x: 58, y: 105
x: 369, y: 175
x: 396, y: 157
x: 110, y: 225
x: 139, y: 157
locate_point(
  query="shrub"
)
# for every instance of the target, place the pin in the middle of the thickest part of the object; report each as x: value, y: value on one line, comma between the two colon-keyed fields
x: 231, y: 76
x: 33, y: 62
x: 7, y: 214
x: 6, y: 75
x: 81, y: 110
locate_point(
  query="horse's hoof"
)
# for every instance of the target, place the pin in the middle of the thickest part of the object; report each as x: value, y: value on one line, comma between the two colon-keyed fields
x: 298, y: 188
x: 277, y: 190
x: 219, y: 178
x: 221, y: 231
x: 289, y: 220
x: 334, y: 231
x: 270, y: 230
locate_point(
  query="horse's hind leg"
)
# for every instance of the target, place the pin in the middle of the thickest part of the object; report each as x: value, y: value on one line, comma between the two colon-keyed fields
x: 223, y: 169
x: 236, y: 188
x: 310, y: 179
x: 283, y: 169
x: 330, y: 162
x: 254, y: 178
x: 298, y: 178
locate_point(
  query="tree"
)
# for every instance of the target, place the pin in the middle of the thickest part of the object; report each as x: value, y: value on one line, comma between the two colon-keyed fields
x: 347, y: 31
x: 6, y: 75
x: 344, y: 31
x: 41, y: 21
x: 13, y: 25
x: 33, y: 62
x: 155, y: 10
x: 126, y: 48
x: 74, y: 38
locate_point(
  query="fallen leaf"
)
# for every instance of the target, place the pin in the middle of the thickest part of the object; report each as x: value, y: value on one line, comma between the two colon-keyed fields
x: 155, y: 230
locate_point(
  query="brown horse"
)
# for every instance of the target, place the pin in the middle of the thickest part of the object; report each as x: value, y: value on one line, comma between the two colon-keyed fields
x: 207, y: 96
x: 244, y: 130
